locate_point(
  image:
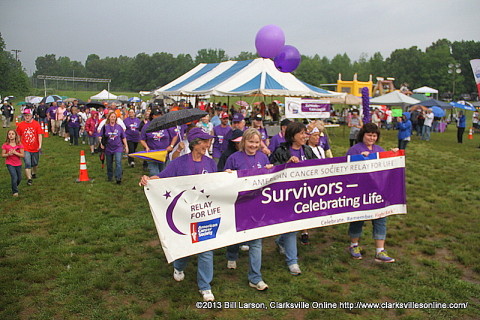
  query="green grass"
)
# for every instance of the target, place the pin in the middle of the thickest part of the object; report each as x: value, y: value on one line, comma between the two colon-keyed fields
x: 90, y: 250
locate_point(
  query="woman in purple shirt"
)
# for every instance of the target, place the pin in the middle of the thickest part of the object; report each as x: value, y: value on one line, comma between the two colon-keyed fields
x: 73, y: 125
x: 367, y: 138
x: 114, y: 142
x: 249, y: 157
x: 132, y: 133
x: 195, y: 162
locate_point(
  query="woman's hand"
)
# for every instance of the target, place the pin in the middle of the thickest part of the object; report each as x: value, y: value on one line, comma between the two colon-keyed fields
x: 365, y: 153
x: 229, y: 170
x: 266, y: 151
x: 144, y: 180
x: 394, y: 149
x: 269, y: 166
x: 293, y: 159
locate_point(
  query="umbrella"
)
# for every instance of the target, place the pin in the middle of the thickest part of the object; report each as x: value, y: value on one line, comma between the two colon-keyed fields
x: 277, y: 101
x: 134, y: 99
x: 463, y: 105
x: 152, y: 155
x: 436, y: 103
x: 94, y: 104
x: 51, y: 98
x: 242, y: 103
x: 438, y: 112
x: 417, y: 106
x: 36, y: 100
x: 21, y: 103
x: 175, y: 118
x: 257, y: 103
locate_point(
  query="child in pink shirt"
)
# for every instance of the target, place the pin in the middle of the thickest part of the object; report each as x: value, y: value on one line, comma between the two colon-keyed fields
x: 12, y: 150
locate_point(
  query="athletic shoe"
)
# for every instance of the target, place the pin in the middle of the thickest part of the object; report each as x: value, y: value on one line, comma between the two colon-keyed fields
x: 207, y: 295
x: 178, y: 275
x: 355, y: 252
x: 260, y: 286
x: 244, y: 247
x: 34, y: 176
x: 29, y: 182
x: 132, y: 164
x: 382, y: 256
x: 294, y: 269
x: 15, y: 194
x: 231, y: 264
x: 304, y: 238
x: 281, y: 248
x: 66, y: 139
x: 119, y: 181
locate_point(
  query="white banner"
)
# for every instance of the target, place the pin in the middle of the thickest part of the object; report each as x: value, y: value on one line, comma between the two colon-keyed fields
x: 197, y: 213
x: 304, y: 108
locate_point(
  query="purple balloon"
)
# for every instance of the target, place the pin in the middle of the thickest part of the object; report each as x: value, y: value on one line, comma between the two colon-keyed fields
x: 288, y: 59
x: 269, y: 41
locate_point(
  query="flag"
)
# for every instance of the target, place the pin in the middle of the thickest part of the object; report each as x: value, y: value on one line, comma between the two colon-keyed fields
x: 475, y: 63
x: 152, y: 155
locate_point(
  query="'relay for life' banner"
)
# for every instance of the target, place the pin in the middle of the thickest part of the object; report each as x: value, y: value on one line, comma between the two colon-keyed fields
x: 197, y: 213
x: 306, y: 108
x: 475, y: 63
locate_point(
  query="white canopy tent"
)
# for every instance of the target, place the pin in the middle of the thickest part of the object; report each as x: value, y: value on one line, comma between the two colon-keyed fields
x: 425, y: 89
x: 241, y: 78
x: 394, y: 98
x: 104, y: 95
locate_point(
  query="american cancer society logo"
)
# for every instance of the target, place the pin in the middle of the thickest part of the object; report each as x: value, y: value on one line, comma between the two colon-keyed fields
x: 204, y: 230
x: 202, y: 213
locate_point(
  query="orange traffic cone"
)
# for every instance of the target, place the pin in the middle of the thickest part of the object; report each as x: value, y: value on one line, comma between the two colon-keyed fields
x: 470, y: 134
x: 16, y: 121
x: 45, y: 130
x: 83, y: 176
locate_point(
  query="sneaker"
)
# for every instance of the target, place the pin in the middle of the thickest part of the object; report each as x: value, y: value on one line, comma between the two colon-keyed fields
x: 281, y: 248
x: 382, y: 256
x: 29, y: 182
x: 260, y: 286
x: 207, y: 295
x: 119, y: 181
x: 66, y: 139
x: 132, y: 164
x: 294, y: 269
x: 355, y: 252
x: 304, y: 238
x: 231, y: 264
x: 244, y: 247
x: 15, y: 194
x: 178, y: 275
x: 34, y: 176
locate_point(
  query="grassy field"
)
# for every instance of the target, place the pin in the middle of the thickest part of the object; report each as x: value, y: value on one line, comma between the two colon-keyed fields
x: 90, y: 250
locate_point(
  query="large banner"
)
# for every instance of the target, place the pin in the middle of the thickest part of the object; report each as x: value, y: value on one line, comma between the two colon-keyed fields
x: 205, y: 212
x: 475, y: 63
x: 304, y: 108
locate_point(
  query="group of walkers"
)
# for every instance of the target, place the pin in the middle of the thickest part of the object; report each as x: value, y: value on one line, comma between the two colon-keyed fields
x: 228, y: 147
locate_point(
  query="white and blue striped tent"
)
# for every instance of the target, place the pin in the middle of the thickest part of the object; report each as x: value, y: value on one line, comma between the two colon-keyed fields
x: 241, y: 78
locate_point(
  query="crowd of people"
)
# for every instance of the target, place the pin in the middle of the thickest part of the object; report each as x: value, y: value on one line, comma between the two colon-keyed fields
x: 222, y: 140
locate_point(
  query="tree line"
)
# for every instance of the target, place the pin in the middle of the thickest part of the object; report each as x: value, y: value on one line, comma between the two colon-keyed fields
x: 149, y: 71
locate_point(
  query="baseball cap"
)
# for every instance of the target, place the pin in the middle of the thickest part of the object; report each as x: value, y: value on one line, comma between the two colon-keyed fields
x: 27, y: 111
x: 237, y: 117
x: 155, y: 111
x: 237, y: 135
x: 223, y: 115
x: 258, y: 117
x: 198, y: 133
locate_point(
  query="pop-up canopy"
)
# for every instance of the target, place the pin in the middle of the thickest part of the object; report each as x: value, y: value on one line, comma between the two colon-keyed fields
x: 241, y: 78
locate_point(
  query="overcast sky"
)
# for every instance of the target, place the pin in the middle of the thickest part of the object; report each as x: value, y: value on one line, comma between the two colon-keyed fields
x: 112, y: 28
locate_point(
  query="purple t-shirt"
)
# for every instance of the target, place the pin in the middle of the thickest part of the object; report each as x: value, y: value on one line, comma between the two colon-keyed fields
x: 155, y: 140
x: 115, y: 135
x: 185, y: 166
x: 219, y: 142
x: 241, y: 161
x: 177, y: 131
x: 51, y: 111
x: 263, y: 133
x: 276, y: 141
x: 300, y: 154
x: 74, y: 121
x: 361, y: 147
x: 132, y: 133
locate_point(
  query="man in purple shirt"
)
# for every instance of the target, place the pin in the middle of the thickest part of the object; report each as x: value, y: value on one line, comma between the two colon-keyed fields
x: 51, y: 117
x: 220, y: 132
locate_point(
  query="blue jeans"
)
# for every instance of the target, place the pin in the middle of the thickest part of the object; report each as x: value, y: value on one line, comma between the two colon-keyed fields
x: 31, y: 159
x: 254, y: 258
x: 155, y: 168
x: 15, y: 175
x: 118, y: 165
x: 204, y: 268
x: 426, y: 133
x: 402, y: 144
x: 379, y: 229
x: 73, y: 131
x: 289, y: 242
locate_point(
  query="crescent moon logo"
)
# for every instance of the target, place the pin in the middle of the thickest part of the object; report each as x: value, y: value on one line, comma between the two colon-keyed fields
x: 169, y: 213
